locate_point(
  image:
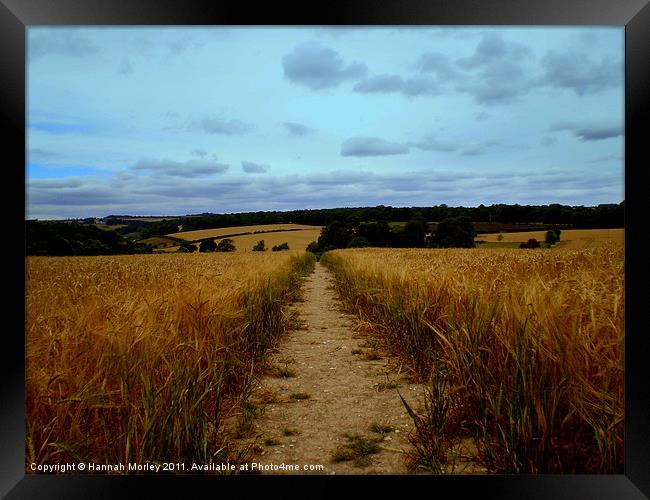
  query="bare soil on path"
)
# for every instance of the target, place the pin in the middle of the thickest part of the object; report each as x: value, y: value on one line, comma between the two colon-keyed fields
x: 325, y: 388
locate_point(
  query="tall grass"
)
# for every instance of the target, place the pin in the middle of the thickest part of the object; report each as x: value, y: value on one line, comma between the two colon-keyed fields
x: 528, y: 346
x: 140, y: 358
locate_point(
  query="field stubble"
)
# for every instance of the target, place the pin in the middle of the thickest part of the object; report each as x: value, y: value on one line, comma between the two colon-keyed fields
x: 142, y: 358
x: 523, y: 351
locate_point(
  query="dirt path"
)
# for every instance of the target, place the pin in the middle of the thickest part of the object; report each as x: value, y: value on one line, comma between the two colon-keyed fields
x: 345, y: 392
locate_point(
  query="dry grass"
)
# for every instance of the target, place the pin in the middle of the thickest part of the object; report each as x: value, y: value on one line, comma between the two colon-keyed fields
x: 223, y: 231
x: 521, y: 350
x: 574, y: 238
x: 141, y: 358
x: 357, y: 448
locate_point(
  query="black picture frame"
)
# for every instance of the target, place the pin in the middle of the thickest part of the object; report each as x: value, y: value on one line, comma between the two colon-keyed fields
x: 17, y: 15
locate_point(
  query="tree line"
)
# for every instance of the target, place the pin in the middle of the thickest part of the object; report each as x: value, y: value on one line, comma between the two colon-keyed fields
x: 438, y: 226
x: 458, y: 232
x: 73, y: 238
x: 578, y: 217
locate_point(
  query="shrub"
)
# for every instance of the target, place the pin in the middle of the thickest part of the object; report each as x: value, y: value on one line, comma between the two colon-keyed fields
x: 454, y: 232
x: 187, y: 247
x: 283, y: 246
x: 336, y: 235
x: 551, y: 237
x: 531, y: 243
x: 207, y: 246
x: 313, y: 247
x: 358, y: 242
x: 260, y: 246
x: 226, y: 245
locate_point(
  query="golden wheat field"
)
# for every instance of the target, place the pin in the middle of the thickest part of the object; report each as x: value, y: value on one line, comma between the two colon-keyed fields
x: 224, y: 231
x: 522, y: 350
x: 138, y: 358
x: 297, y: 240
x: 570, y: 238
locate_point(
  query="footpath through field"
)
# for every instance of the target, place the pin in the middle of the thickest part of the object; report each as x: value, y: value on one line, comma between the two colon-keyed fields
x: 326, y: 401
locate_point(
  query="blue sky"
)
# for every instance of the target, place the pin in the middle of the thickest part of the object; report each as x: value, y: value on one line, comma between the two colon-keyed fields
x: 174, y: 121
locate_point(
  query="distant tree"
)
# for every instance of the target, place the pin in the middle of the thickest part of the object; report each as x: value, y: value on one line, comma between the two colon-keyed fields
x: 454, y: 232
x: 60, y: 246
x: 260, y: 246
x: 313, y: 247
x: 414, y: 232
x: 551, y: 237
x: 137, y: 247
x: 225, y: 245
x: 73, y: 238
x: 336, y: 235
x: 283, y: 246
x: 481, y: 214
x: 207, y: 246
x: 358, y: 242
x: 186, y: 246
x: 149, y: 229
x: 376, y: 232
x: 500, y: 237
x: 531, y: 243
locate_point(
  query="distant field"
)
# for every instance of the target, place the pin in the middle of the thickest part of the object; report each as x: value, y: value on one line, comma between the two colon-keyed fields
x: 224, y: 231
x: 159, y: 241
x: 148, y: 219
x: 570, y: 238
x: 482, y: 226
x: 297, y: 240
x: 107, y: 227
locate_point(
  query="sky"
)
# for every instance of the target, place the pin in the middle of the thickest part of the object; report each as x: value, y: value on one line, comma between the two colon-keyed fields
x: 186, y: 120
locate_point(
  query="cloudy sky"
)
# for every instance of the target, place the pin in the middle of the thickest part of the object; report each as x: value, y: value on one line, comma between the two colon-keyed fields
x: 174, y: 121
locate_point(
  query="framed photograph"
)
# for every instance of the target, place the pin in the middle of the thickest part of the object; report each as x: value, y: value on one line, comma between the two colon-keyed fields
x: 363, y: 244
